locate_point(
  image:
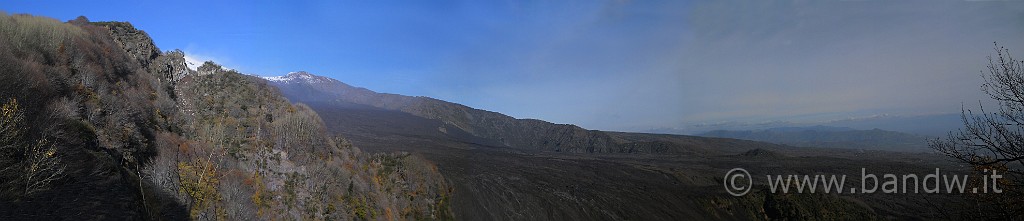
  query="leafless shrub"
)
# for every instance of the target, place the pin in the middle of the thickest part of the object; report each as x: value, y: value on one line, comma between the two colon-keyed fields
x: 42, y: 166
x: 64, y: 108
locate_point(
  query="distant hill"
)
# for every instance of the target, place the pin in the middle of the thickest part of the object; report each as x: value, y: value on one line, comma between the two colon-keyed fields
x: 929, y: 125
x: 830, y: 137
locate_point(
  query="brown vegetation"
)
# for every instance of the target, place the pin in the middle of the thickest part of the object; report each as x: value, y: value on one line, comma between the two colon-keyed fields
x: 97, y: 122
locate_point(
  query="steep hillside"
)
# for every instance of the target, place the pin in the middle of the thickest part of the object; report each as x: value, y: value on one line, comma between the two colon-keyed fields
x: 80, y: 121
x: 274, y: 159
x: 99, y: 124
x: 831, y: 137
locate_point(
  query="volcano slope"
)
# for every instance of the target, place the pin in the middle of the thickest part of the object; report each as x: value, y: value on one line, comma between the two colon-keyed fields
x: 513, y: 169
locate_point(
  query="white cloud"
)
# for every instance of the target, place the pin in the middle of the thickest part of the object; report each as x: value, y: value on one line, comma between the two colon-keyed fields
x: 193, y: 61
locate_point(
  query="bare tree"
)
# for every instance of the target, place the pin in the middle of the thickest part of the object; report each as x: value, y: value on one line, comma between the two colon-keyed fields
x: 994, y: 141
x: 10, y: 151
x: 26, y: 168
x: 41, y: 167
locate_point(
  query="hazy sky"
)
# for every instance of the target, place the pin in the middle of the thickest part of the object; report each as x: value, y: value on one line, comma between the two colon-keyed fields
x: 617, y: 65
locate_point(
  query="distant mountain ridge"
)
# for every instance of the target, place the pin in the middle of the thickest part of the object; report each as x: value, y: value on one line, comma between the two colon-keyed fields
x: 830, y: 137
x: 931, y: 125
x: 499, y: 128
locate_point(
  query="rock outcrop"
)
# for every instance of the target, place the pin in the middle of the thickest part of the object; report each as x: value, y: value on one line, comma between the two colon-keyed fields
x: 171, y: 65
x: 136, y: 42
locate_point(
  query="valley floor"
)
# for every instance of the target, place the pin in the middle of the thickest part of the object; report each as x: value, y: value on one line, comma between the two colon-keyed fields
x: 495, y: 183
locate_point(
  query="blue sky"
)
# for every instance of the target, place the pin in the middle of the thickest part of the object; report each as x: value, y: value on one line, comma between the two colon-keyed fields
x: 615, y: 65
